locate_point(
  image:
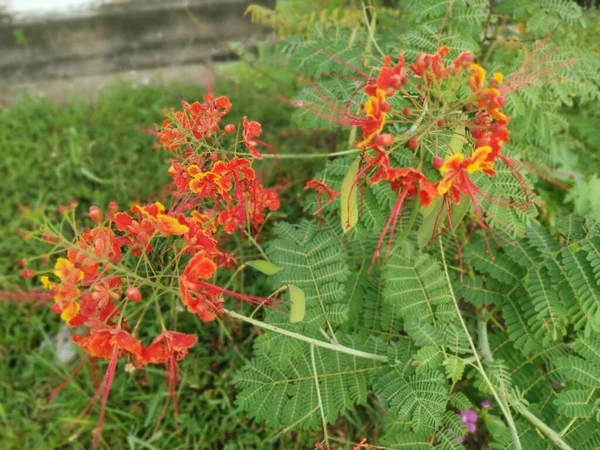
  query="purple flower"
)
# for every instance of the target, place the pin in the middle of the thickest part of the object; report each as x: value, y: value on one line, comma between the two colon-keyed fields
x: 468, y: 416
x: 486, y: 404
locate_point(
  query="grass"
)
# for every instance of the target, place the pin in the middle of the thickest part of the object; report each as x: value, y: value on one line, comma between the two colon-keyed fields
x: 96, y: 152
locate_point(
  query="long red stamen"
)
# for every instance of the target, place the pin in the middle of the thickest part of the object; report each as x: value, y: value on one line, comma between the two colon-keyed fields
x: 391, y: 219
x: 247, y: 298
x: 105, y: 387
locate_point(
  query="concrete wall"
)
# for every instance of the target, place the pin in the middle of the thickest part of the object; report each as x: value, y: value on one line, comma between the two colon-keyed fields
x: 119, y: 36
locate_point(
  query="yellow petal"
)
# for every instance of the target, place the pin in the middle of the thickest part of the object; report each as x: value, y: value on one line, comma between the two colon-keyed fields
x: 61, y: 265
x: 70, y: 312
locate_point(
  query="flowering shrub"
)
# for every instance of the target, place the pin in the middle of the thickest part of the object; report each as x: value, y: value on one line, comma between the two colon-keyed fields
x: 103, y: 283
x: 422, y: 283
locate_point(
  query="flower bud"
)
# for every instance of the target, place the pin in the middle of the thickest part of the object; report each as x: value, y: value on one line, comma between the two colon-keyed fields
x: 133, y: 294
x: 113, y: 207
x: 413, y: 143
x: 441, y: 123
x: 406, y: 111
x: 229, y: 128
x: 437, y: 162
x: 50, y: 238
x: 27, y: 273
x: 21, y: 263
x: 95, y: 214
x: 385, y: 106
x: 384, y: 140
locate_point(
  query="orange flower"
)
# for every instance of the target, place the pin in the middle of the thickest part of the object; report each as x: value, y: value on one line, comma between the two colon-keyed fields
x: 102, y: 342
x: 321, y: 188
x: 111, y: 344
x: 456, y: 169
x: 208, y: 184
x: 199, y: 300
x: 151, y: 219
x: 197, y: 120
x: 168, y: 348
x: 431, y: 67
x: 480, y: 161
x: 66, y: 292
x: 389, y: 78
x: 251, y: 131
x: 407, y: 182
x: 167, y: 345
x: 477, y: 77
x: 375, y: 109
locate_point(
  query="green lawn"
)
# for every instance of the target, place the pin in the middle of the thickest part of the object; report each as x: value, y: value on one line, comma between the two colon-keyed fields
x: 96, y: 152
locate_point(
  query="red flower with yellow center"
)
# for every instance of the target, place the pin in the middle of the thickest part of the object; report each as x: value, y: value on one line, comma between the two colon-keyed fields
x: 66, y: 292
x: 456, y: 169
x: 208, y: 184
x: 375, y: 110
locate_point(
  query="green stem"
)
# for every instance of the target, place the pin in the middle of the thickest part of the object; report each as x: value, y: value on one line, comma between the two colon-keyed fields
x: 549, y: 432
x: 323, y: 419
x: 505, y: 409
x: 335, y: 347
x: 520, y: 408
x: 371, y: 30
x: 301, y: 155
x: 484, y: 344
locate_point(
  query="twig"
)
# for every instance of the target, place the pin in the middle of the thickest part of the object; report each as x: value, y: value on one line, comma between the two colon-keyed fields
x: 549, y: 432
x: 323, y: 419
x: 335, y: 347
x: 520, y: 408
x: 503, y: 406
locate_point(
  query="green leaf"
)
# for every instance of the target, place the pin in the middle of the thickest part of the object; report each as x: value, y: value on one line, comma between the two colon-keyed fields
x: 266, y: 267
x: 455, y: 368
x: 577, y: 369
x: 574, y: 403
x: 312, y: 259
x: 298, y: 300
x: 349, y: 198
x: 420, y: 398
x: 433, y: 215
x: 427, y: 358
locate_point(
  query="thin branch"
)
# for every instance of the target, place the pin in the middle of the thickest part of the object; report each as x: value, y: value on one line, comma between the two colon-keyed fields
x: 549, y: 432
x: 323, y: 419
x: 300, y: 155
x: 520, y: 408
x: 335, y: 347
x: 501, y: 402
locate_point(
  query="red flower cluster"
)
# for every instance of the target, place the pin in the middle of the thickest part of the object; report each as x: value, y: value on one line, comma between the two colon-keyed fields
x: 214, y: 197
x: 197, y: 121
x: 480, y: 115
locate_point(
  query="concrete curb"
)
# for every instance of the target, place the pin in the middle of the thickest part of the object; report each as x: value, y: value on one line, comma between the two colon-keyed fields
x: 135, y: 35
